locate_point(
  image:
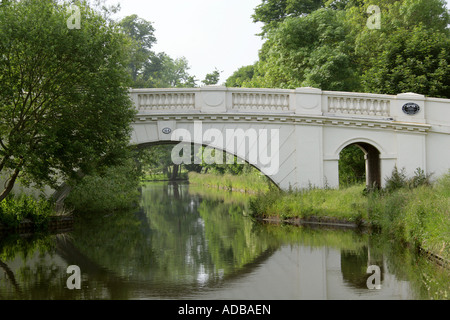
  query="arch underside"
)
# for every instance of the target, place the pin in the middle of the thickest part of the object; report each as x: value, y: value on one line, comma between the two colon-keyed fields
x: 240, y: 160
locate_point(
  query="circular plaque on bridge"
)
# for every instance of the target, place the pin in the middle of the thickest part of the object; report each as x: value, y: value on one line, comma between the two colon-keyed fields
x: 167, y: 131
x: 411, y: 108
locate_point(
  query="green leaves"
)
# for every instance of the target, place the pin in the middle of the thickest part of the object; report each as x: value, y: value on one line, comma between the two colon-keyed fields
x: 327, y: 44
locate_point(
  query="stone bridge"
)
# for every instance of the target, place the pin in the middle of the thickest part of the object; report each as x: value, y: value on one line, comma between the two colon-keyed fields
x: 312, y: 127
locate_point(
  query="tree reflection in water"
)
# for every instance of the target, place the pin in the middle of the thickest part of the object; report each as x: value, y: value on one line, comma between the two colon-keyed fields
x: 184, y: 241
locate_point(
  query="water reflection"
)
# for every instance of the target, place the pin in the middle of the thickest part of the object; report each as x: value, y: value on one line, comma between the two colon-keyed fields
x: 186, y: 242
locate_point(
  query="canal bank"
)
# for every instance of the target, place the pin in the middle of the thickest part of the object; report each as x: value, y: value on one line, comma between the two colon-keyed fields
x: 415, y: 215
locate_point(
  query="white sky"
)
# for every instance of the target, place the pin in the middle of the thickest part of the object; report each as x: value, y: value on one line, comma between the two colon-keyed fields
x: 209, y: 33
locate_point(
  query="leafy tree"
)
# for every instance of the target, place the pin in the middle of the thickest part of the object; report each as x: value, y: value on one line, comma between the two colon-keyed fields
x: 162, y: 71
x: 313, y: 50
x: 272, y: 12
x: 241, y: 76
x: 64, y: 107
x: 142, y: 34
x: 410, y: 52
x: 212, y: 78
x: 147, y: 68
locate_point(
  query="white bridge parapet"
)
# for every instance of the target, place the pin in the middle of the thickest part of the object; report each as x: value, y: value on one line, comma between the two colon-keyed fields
x: 406, y: 130
x: 301, y: 101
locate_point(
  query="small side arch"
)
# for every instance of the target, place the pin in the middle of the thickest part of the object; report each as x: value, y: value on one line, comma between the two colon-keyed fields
x: 372, y: 155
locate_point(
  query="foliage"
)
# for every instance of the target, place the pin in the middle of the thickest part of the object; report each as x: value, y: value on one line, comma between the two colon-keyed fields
x: 419, y: 216
x: 64, y: 106
x: 352, y: 169
x: 116, y: 188
x: 212, y: 78
x: 14, y: 210
x: 148, y: 68
x: 327, y: 44
x: 142, y: 34
x: 410, y: 52
x: 162, y: 71
x: 309, y: 51
x: 272, y: 12
x: 399, y: 179
x: 241, y: 76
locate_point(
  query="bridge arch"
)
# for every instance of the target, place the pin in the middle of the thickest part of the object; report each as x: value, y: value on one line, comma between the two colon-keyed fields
x: 240, y: 160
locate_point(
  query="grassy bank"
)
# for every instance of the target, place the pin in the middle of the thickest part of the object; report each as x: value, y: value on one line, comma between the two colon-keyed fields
x: 162, y: 177
x: 248, y: 183
x: 418, y: 215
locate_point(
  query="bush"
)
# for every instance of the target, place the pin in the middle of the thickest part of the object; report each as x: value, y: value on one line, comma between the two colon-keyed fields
x: 116, y: 189
x: 14, y: 210
x: 398, y: 180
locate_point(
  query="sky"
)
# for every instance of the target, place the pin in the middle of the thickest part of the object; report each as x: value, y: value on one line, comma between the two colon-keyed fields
x: 208, y: 33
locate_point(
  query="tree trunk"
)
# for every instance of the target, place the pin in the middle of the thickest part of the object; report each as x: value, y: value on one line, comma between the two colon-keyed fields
x: 9, y: 185
x: 175, y: 169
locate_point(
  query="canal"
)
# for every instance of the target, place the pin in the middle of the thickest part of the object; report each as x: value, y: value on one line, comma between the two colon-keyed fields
x: 185, y: 242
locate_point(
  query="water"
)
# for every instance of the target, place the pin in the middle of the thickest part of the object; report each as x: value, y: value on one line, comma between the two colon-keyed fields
x: 191, y: 243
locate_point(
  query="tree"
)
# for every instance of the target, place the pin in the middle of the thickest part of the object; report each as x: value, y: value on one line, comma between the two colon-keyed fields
x: 314, y: 50
x: 142, y: 34
x: 328, y: 45
x: 241, y: 76
x: 212, y: 78
x: 149, y: 69
x: 272, y: 12
x: 64, y: 106
x: 162, y: 71
x: 411, y: 51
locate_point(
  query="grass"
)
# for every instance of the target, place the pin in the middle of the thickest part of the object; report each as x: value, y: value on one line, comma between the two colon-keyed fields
x: 162, y: 176
x: 346, y: 204
x: 248, y: 183
x: 418, y: 216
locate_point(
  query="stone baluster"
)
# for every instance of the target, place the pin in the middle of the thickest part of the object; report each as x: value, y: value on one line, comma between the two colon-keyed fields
x: 372, y: 107
x: 378, y: 108
x: 351, y: 107
x: 331, y: 108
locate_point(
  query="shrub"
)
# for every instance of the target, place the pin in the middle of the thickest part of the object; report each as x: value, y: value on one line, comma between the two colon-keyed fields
x: 116, y: 189
x: 14, y: 210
